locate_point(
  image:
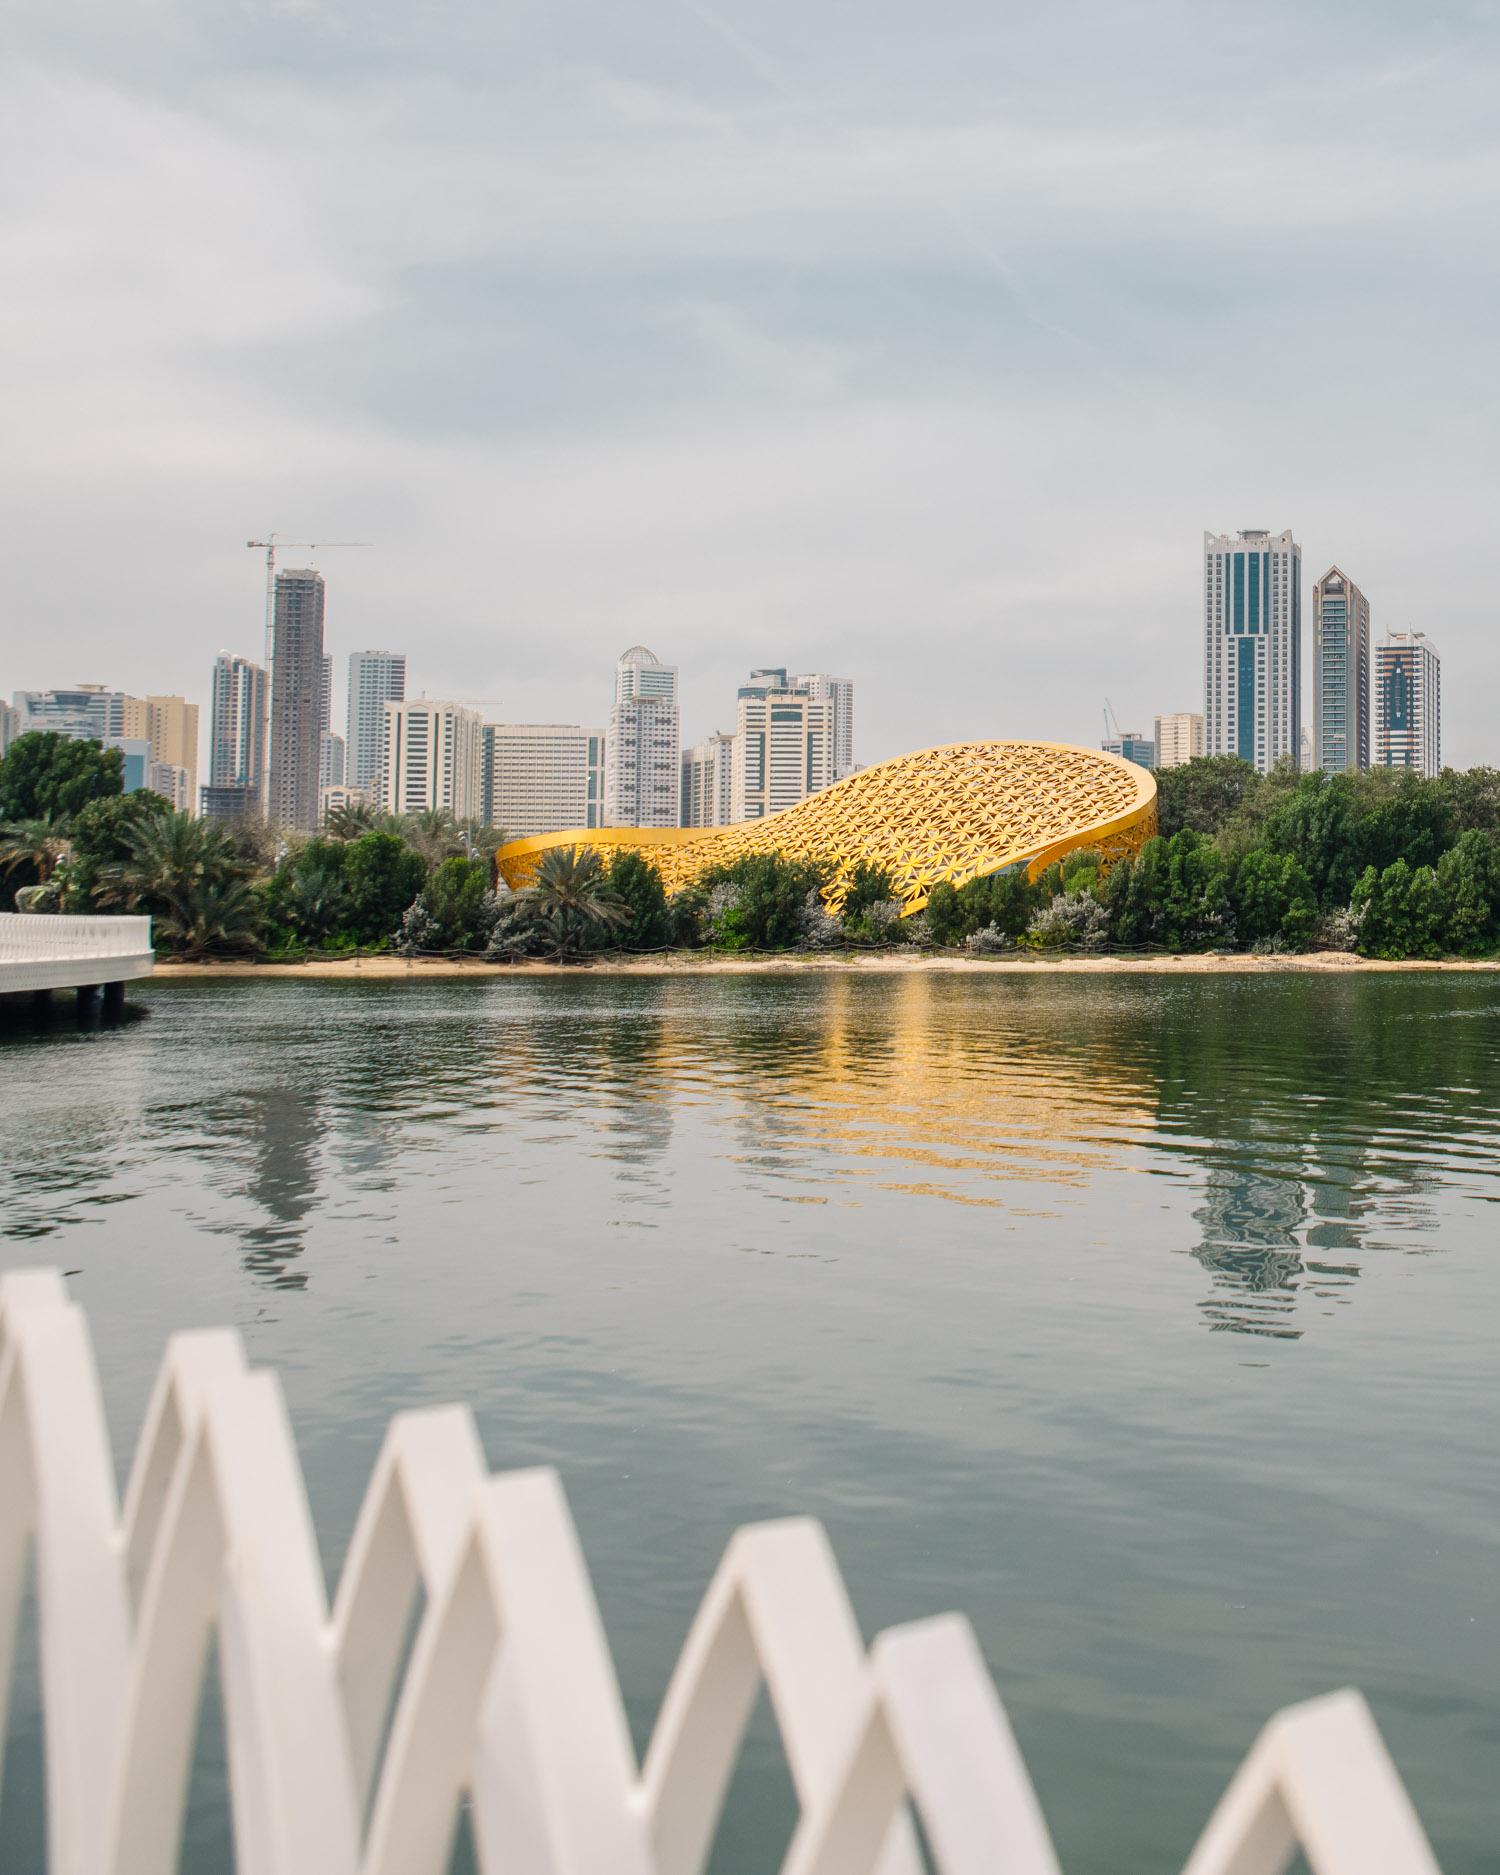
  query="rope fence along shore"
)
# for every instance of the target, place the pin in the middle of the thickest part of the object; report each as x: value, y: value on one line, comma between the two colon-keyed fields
x: 350, y: 1756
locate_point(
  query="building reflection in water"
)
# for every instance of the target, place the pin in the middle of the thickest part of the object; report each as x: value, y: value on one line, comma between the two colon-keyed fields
x: 1250, y: 1222
x: 282, y: 1132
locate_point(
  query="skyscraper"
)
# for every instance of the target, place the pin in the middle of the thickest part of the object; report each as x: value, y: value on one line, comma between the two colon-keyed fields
x: 1252, y: 645
x: 331, y: 761
x: 236, y: 739
x: 543, y: 777
x: 708, y: 782
x: 169, y: 726
x: 783, y: 746
x: 1179, y: 737
x: 838, y: 691
x: 644, y: 743
x: 1341, y: 675
x: 1408, y: 703
x: 430, y: 757
x: 297, y: 699
x: 375, y: 679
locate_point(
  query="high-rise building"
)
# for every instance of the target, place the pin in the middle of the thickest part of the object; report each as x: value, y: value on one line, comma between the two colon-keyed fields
x: 1252, y: 643
x: 1179, y: 738
x: 1408, y: 703
x: 708, y: 782
x: 1341, y: 675
x: 135, y: 767
x: 643, y: 743
x: 170, y: 781
x: 543, y: 777
x: 838, y: 691
x: 10, y: 725
x: 784, y: 744
x: 375, y: 679
x: 1133, y: 746
x: 87, y: 712
x: 297, y: 699
x: 430, y: 757
x: 236, y: 740
x: 331, y: 762
x: 169, y: 725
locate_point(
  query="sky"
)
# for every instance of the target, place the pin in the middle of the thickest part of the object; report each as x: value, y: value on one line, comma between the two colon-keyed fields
x: 915, y: 343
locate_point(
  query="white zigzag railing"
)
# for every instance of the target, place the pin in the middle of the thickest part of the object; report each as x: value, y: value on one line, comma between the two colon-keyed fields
x: 340, y: 1763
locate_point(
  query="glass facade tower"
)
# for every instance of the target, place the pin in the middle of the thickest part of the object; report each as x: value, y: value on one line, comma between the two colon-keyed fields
x: 1252, y: 645
x: 1341, y: 675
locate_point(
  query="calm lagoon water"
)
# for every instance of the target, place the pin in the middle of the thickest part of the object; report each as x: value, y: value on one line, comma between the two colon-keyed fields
x: 1149, y: 1321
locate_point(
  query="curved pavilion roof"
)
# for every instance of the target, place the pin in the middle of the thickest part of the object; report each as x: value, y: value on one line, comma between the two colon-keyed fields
x: 953, y: 813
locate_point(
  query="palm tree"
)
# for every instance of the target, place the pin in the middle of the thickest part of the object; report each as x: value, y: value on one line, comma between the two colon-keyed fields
x: 319, y: 899
x: 433, y: 833
x: 570, y: 896
x: 191, y: 875
x: 482, y: 840
x: 353, y: 819
x: 213, y: 914
x: 42, y: 843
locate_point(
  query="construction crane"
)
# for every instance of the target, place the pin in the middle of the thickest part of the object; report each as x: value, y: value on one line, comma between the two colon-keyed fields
x: 271, y: 543
x: 1108, y: 712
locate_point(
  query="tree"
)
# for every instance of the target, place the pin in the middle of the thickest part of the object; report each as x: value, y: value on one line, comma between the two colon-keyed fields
x: 433, y: 833
x: 568, y: 902
x: 1204, y: 794
x: 211, y: 914
x: 458, y: 900
x: 317, y: 899
x: 764, y: 897
x: 43, y: 773
x: 187, y: 874
x: 383, y: 876
x: 40, y: 844
x: 637, y: 884
x: 1469, y: 879
x: 1272, y: 898
x: 100, y: 832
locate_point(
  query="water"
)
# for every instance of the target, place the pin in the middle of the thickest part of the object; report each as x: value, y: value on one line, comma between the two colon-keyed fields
x: 1150, y: 1321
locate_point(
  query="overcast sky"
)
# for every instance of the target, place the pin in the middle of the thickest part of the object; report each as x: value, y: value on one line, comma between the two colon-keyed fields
x: 916, y: 343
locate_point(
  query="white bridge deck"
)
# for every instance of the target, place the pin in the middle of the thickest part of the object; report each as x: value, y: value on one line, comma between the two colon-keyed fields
x: 51, y: 951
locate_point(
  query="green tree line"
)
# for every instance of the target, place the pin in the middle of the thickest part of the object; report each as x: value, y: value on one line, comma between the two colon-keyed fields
x: 1387, y: 862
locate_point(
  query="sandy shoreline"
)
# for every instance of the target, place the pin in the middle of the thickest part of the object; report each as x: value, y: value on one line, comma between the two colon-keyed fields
x: 400, y: 969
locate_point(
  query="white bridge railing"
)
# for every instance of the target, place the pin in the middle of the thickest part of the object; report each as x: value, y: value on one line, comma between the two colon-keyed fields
x: 342, y: 1762
x: 53, y: 950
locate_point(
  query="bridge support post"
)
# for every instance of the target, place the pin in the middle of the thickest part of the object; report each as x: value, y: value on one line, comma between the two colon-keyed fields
x: 41, y: 1002
x: 88, y: 1001
x: 114, y: 999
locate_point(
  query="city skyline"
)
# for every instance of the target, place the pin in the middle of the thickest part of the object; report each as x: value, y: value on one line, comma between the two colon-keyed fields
x: 1252, y: 590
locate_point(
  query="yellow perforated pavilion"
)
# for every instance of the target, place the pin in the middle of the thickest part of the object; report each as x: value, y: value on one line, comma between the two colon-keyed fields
x: 954, y: 813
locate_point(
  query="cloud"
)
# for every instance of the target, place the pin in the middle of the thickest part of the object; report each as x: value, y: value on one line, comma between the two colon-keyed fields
x: 921, y: 349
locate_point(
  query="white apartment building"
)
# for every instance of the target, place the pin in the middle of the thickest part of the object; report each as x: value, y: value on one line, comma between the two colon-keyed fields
x: 543, y: 777
x: 839, y: 692
x: 1179, y: 738
x: 1252, y: 645
x: 784, y: 746
x: 707, y: 782
x: 430, y: 757
x: 643, y: 743
x: 375, y: 679
x: 1408, y: 703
